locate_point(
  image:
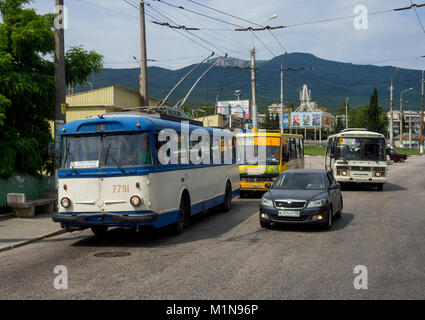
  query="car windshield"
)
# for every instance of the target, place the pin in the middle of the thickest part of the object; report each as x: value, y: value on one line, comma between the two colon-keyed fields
x: 107, y: 150
x: 360, y: 149
x: 302, y: 181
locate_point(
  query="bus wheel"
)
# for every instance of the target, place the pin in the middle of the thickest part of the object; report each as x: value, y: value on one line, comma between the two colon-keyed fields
x: 99, y: 231
x: 225, y: 206
x: 183, y: 216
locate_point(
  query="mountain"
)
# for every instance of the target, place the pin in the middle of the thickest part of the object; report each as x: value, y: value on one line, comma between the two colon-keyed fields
x: 330, y: 82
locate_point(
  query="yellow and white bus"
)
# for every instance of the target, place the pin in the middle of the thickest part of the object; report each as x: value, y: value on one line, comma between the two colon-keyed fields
x: 282, y: 152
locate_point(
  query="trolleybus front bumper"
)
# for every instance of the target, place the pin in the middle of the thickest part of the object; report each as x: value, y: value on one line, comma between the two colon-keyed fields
x: 110, y: 219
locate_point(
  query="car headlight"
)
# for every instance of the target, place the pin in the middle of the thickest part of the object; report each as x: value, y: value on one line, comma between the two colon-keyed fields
x: 266, y: 202
x: 135, y: 201
x: 317, y: 203
x: 65, y: 202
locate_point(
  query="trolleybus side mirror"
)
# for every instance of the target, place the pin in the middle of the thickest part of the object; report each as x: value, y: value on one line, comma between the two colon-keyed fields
x: 268, y: 185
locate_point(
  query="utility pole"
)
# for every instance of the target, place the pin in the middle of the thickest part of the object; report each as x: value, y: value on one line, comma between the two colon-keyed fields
x: 401, y: 116
x: 401, y: 121
x: 421, y: 148
x: 281, y: 98
x: 391, y: 108
x: 60, y: 86
x: 254, y: 91
x: 346, y: 113
x: 143, y: 58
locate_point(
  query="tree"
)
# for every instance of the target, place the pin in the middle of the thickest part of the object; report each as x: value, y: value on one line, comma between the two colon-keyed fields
x: 27, y: 44
x: 339, y: 125
x: 373, y: 112
x: 80, y: 64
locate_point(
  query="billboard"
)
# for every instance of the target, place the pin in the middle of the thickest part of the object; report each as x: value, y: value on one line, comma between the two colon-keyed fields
x: 327, y: 120
x: 285, y: 120
x: 305, y: 119
x: 235, y: 108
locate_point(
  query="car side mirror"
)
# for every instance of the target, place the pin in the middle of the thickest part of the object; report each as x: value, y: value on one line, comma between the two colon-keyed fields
x: 268, y: 185
x: 335, y: 186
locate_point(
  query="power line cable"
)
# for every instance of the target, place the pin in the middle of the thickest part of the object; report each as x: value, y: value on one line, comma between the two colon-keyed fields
x: 191, y: 33
x: 170, y: 17
x: 417, y: 15
x: 107, y: 8
x: 219, y: 20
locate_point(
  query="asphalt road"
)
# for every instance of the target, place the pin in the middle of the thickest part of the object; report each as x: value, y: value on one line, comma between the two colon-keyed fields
x: 229, y: 256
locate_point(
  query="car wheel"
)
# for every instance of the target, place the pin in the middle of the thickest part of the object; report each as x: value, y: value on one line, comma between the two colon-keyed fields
x: 265, y: 224
x: 99, y: 231
x: 339, y: 213
x: 328, y: 225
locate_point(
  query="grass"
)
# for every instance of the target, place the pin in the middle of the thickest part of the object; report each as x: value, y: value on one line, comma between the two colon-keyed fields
x: 314, y: 150
x: 409, y: 152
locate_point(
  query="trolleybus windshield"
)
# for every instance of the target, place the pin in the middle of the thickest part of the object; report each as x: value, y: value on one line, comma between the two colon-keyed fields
x: 108, y: 150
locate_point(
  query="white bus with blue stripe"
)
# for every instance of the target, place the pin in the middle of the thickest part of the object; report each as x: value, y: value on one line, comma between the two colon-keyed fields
x: 111, y: 174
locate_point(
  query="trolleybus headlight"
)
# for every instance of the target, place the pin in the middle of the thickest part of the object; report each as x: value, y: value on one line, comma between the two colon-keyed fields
x: 135, y: 201
x: 65, y: 202
x: 377, y: 174
x: 344, y: 173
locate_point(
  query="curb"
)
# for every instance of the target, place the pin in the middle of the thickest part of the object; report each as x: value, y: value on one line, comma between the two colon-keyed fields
x: 23, y: 243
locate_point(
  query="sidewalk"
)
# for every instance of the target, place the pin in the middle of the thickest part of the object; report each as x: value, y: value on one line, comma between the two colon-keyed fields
x: 16, y: 232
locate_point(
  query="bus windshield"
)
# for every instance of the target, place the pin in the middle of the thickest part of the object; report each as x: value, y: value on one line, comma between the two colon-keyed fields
x: 360, y: 149
x: 107, y: 150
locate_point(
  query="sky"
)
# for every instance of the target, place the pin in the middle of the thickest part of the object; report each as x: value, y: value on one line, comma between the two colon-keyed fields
x: 111, y: 27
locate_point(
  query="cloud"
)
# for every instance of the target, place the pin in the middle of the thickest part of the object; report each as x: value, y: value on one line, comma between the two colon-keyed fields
x: 391, y: 38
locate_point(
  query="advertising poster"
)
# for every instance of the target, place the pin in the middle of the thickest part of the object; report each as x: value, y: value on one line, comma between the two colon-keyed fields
x: 285, y: 120
x: 305, y: 119
x: 235, y: 108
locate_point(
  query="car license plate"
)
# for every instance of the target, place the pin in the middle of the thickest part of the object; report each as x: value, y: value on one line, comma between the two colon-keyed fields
x: 255, y: 186
x: 288, y: 213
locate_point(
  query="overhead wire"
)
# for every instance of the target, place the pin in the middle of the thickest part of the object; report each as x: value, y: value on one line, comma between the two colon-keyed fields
x: 172, y: 18
x: 217, y: 19
x: 417, y: 15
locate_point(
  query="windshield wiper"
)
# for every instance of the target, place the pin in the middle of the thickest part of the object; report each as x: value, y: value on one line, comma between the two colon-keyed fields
x: 66, y: 158
x: 112, y: 157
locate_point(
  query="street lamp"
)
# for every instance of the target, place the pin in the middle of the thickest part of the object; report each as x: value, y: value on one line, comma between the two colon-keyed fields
x: 391, y: 108
x: 346, y: 113
x: 401, y: 115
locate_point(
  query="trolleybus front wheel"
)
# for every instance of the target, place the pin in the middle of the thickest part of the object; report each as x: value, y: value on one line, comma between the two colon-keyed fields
x: 99, y: 231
